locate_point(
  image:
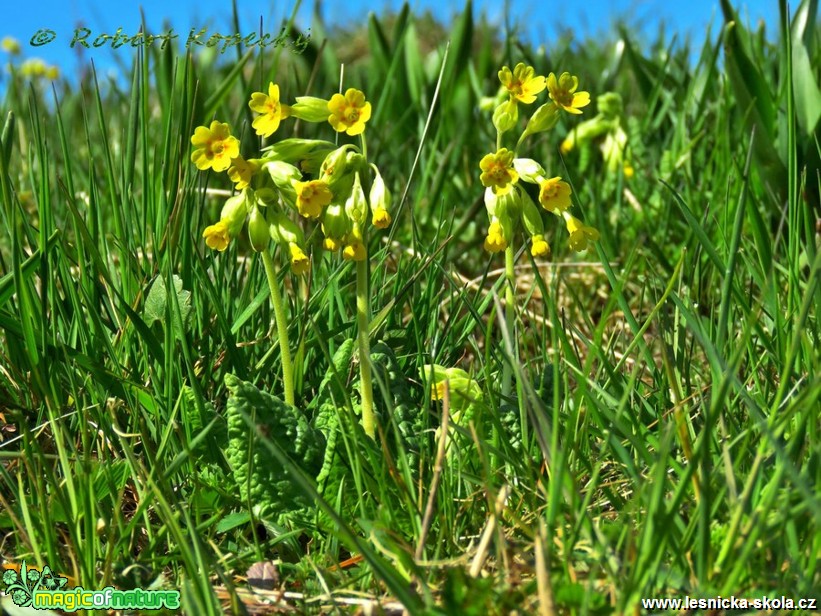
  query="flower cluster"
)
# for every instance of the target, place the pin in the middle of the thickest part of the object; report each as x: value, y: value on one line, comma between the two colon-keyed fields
x: 503, y: 174
x: 297, y: 178
x: 606, y: 130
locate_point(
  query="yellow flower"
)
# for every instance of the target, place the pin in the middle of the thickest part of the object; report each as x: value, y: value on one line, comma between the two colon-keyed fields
x: 241, y: 171
x: 437, y: 390
x: 271, y: 109
x: 498, y: 172
x: 300, y: 263
x: 354, y: 246
x: 349, y: 112
x: 539, y: 246
x: 522, y: 83
x: 563, y: 92
x: 332, y: 244
x: 581, y: 235
x: 354, y: 250
x: 311, y: 197
x: 10, y: 45
x: 216, y: 236
x: 52, y: 73
x: 34, y: 67
x: 381, y: 218
x: 554, y: 195
x: 215, y: 147
x: 628, y: 171
x: 566, y: 146
x: 495, y: 240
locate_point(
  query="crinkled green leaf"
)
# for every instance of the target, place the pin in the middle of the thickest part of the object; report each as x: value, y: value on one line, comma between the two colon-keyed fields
x: 262, y: 481
x: 332, y: 396
x: 396, y: 398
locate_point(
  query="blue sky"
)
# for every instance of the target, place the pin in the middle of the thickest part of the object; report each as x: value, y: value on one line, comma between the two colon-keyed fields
x: 23, y: 20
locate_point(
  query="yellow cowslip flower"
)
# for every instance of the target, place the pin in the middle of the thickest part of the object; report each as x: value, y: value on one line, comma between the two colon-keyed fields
x: 554, y: 195
x: 300, y: 263
x: 539, y: 246
x: 216, y: 236
x: 349, y: 112
x: 273, y: 112
x: 335, y: 226
x: 241, y: 171
x: 380, y: 199
x: 215, y: 147
x: 567, y: 146
x: 332, y: 244
x: 52, y: 73
x: 498, y: 172
x: 522, y: 83
x: 10, y: 45
x: 495, y: 240
x: 563, y: 92
x: 381, y: 218
x: 33, y: 67
x: 581, y: 235
x: 311, y: 197
x: 354, y: 248
x: 354, y: 251
x: 629, y: 172
x: 437, y: 390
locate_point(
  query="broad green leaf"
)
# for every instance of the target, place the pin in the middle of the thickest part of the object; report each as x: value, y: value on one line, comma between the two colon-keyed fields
x: 804, y: 82
x: 756, y: 104
x: 156, y: 304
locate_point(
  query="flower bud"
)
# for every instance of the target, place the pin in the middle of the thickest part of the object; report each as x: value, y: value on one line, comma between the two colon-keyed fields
x: 610, y: 105
x: 310, y: 109
x: 266, y: 197
x: 528, y: 169
x: 338, y: 172
x: 463, y: 390
x: 234, y: 212
x: 531, y: 216
x: 509, y: 205
x: 586, y: 131
x: 258, y: 232
x: 335, y: 226
x: 356, y: 207
x: 380, y: 200
x: 505, y: 116
x: 284, y: 230
x: 282, y: 173
x: 544, y: 118
x: 306, y: 154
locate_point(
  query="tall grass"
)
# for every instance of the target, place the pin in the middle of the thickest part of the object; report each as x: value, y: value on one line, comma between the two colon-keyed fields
x: 666, y: 439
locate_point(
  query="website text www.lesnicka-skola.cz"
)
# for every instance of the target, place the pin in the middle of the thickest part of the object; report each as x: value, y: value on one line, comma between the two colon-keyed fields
x: 730, y: 603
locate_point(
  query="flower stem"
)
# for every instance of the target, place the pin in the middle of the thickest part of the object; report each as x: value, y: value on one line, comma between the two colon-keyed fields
x: 363, y: 319
x: 510, y: 315
x: 282, y: 327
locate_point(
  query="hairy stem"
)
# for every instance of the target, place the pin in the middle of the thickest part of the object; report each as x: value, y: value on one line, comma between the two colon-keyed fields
x: 510, y: 315
x: 363, y: 317
x: 282, y: 327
